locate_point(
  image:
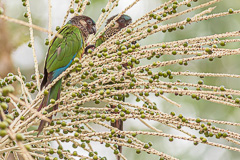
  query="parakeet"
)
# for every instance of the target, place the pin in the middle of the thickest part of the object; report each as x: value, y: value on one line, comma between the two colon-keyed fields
x: 120, y: 23
x: 61, y: 54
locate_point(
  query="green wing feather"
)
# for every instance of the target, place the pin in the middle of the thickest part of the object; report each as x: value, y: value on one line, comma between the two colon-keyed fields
x: 62, y: 50
x: 60, y: 54
x: 99, y: 41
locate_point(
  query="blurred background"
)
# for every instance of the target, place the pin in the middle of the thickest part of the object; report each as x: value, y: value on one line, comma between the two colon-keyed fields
x: 14, y: 52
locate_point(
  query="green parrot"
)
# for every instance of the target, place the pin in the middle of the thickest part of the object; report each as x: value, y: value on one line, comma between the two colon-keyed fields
x: 61, y: 54
x: 120, y: 23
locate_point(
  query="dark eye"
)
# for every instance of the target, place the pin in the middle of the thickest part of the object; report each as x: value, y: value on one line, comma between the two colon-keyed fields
x: 122, y: 20
x: 89, y: 22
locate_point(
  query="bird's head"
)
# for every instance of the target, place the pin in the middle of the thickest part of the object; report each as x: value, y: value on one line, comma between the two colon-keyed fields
x: 85, y: 23
x: 121, y: 22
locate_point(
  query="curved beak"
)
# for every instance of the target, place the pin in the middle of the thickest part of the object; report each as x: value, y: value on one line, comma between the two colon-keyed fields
x: 94, y: 30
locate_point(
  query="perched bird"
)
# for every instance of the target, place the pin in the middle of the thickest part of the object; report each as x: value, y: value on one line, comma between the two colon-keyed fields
x: 120, y: 23
x: 61, y: 54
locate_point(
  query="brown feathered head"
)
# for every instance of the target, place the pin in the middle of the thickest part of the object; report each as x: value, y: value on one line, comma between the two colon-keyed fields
x: 120, y: 23
x: 85, y: 24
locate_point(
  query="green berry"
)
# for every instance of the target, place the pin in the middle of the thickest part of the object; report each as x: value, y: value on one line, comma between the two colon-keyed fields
x: 146, y: 146
x: 224, y: 135
x: 3, y: 125
x: 108, y: 119
x: 195, y: 143
x: 28, y: 147
x: 222, y: 43
x: 4, y: 106
x: 171, y: 139
x: 47, y: 158
x: 143, y: 116
x: 95, y: 157
x: 47, y: 42
x: 7, y: 89
x: 107, y: 145
x: 8, y: 99
x: 134, y: 134
x: 208, y: 50
x: 29, y: 44
x: 137, y: 45
x: 101, y: 92
x: 71, y: 10
x: 116, y: 151
x: 1, y: 10
x: 188, y: 19
x: 59, y: 152
x: 174, y: 6
x: 83, y: 145
x: 204, y: 140
x: 85, y: 84
x: 200, y: 82
x: 150, y: 144
x: 63, y: 124
x: 237, y: 100
x: 3, y: 132
x: 128, y: 30
x: 230, y: 10
x: 181, y: 27
x: 75, y: 153
x: 194, y: 96
x: 25, y: 14
x: 116, y: 110
x: 138, y: 151
x: 222, y: 88
x: 91, y: 64
x: 184, y: 119
x: 19, y: 137
x: 76, y: 134
x: 122, y: 114
x: 57, y: 28
x: 180, y: 116
x: 52, y: 101
x: 129, y: 140
x: 45, y: 92
x: 108, y: 91
x: 22, y: 118
x: 104, y: 70
x: 168, y: 72
x: 91, y: 154
x: 113, y: 131
x: 174, y: 52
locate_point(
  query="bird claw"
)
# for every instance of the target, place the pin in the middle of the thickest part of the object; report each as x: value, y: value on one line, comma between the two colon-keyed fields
x: 92, y: 47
